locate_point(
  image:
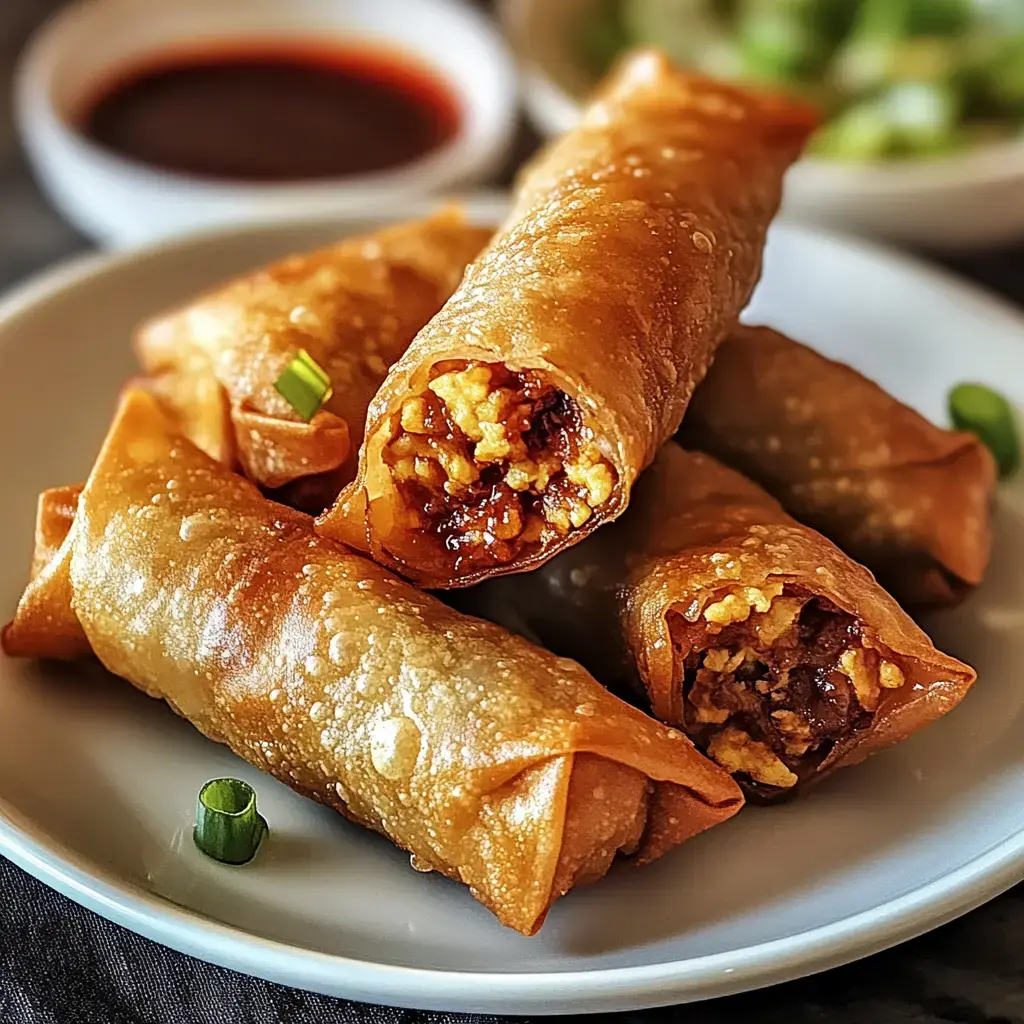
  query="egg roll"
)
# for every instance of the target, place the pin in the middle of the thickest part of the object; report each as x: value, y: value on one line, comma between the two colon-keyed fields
x: 353, y: 307
x: 909, y: 500
x: 519, y: 418
x: 780, y: 656
x: 487, y: 758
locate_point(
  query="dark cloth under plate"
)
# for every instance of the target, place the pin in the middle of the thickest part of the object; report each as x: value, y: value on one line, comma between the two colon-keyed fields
x: 60, y: 964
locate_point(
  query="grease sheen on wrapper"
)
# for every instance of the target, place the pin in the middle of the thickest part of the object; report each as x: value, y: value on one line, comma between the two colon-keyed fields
x: 778, y: 654
x: 908, y: 499
x: 489, y: 759
x: 353, y: 307
x: 520, y: 416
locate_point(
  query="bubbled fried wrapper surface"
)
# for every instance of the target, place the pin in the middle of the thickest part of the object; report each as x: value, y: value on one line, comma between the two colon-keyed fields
x: 635, y: 240
x: 489, y: 759
x: 698, y: 571
x: 909, y: 500
x: 353, y: 307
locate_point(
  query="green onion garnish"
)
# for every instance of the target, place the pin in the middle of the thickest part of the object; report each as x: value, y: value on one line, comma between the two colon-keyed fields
x: 304, y: 385
x: 228, y: 826
x: 987, y: 415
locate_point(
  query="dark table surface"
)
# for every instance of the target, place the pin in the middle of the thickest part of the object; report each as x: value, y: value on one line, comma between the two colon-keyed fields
x: 60, y: 964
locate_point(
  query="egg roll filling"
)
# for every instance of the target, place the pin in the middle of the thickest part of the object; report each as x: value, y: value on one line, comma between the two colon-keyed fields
x: 774, y: 678
x: 493, y: 464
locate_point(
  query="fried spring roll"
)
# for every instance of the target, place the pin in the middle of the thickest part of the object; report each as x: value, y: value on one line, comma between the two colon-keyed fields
x: 520, y: 416
x: 776, y: 653
x: 489, y: 759
x: 354, y: 307
x: 909, y: 500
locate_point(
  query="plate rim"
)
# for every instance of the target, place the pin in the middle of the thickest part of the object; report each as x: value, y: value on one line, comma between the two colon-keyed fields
x: 606, y: 989
x: 536, y: 992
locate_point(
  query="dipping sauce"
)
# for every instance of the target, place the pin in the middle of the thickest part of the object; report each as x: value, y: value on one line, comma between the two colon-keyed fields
x: 274, y: 114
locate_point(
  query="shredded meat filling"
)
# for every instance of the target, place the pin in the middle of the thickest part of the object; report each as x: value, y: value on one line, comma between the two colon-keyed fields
x: 773, y: 680
x: 492, y: 463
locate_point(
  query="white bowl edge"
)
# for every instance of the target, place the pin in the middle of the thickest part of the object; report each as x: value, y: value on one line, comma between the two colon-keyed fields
x: 958, y: 202
x: 120, y: 202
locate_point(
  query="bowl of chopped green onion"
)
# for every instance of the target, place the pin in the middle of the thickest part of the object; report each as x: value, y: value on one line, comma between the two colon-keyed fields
x: 923, y: 100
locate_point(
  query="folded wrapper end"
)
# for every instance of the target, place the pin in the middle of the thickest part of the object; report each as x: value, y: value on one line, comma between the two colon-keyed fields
x: 790, y: 119
x: 904, y: 497
x: 512, y: 770
x: 45, y: 624
x: 55, y: 513
x: 197, y: 406
x: 275, y: 451
x: 352, y: 307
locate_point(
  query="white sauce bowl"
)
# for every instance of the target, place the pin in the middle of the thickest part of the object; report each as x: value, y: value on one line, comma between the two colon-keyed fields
x: 118, y: 201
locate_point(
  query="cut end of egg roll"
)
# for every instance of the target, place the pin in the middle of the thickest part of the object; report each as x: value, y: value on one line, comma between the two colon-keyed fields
x: 776, y: 695
x: 776, y: 653
x: 520, y: 416
x: 353, y: 308
x: 490, y: 760
x: 909, y: 500
x: 491, y: 468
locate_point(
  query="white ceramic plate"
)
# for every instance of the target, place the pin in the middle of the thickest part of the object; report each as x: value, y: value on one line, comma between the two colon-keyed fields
x: 98, y: 783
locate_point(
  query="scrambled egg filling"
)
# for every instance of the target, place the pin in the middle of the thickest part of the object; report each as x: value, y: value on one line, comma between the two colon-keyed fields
x: 491, y: 461
x: 786, y: 679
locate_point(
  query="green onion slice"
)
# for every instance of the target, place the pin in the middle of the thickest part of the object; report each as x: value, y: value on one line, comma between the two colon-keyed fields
x: 228, y: 826
x: 304, y: 385
x: 987, y: 415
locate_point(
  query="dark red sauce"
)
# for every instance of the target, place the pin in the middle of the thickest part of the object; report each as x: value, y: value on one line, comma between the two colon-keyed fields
x: 274, y: 114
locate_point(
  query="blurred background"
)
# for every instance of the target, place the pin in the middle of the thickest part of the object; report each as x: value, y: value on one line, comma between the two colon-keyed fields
x: 141, y: 120
x: 40, y: 236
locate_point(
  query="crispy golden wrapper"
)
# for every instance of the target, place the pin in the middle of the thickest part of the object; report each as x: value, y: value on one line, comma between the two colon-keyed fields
x: 55, y: 513
x: 909, y: 500
x: 773, y: 650
x: 354, y: 307
x: 47, y: 626
x: 489, y: 759
x: 520, y: 416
